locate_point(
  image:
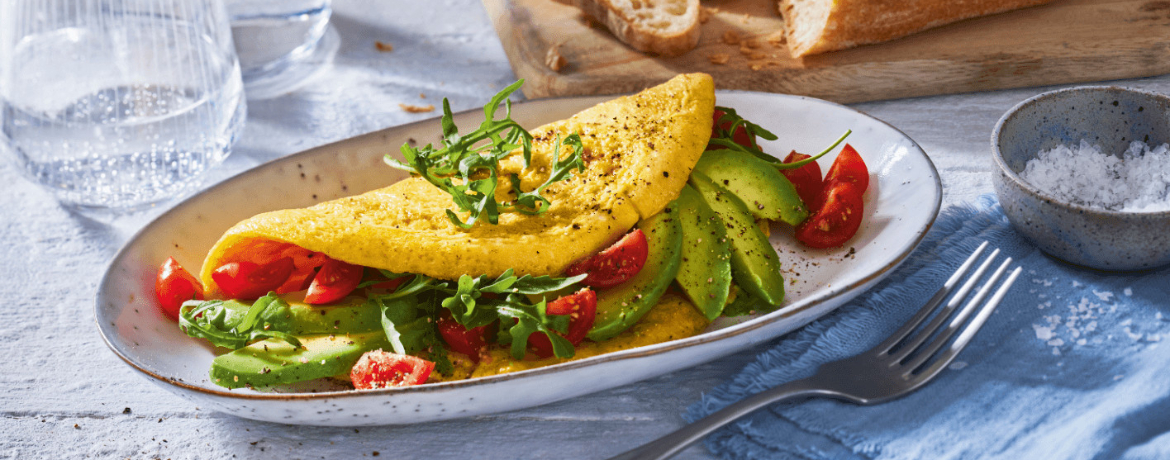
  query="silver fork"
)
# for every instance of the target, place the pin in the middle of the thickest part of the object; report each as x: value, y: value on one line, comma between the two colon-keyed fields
x: 897, y: 366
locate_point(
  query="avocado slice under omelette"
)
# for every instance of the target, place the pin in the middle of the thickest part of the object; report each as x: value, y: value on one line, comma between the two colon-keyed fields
x: 638, y: 151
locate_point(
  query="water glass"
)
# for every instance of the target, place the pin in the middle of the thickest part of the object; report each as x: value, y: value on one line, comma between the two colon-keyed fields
x: 281, y: 43
x: 118, y: 104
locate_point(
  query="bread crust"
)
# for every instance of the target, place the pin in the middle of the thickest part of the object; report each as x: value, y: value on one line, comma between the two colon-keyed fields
x: 852, y: 23
x: 640, y: 37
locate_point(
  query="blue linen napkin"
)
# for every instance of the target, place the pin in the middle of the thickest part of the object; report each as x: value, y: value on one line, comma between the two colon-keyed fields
x: 1071, y: 366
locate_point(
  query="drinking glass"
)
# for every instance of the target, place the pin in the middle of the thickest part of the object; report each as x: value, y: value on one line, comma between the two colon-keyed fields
x: 116, y: 105
x: 281, y: 43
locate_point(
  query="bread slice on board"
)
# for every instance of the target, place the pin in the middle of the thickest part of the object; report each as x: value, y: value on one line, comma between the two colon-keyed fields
x: 818, y: 26
x: 663, y: 27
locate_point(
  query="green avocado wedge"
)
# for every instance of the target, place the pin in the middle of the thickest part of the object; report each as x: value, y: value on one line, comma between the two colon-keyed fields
x: 349, y: 315
x: 704, y: 274
x: 274, y: 362
x: 620, y: 307
x: 755, y: 266
x: 762, y: 188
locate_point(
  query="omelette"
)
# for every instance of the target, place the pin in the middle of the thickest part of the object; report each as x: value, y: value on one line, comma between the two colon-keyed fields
x: 638, y: 152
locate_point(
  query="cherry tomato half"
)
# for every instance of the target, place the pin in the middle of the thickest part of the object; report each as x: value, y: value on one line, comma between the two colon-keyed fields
x: 459, y: 337
x: 581, y: 306
x: 173, y: 286
x: 247, y: 280
x: 806, y: 179
x: 305, y: 263
x: 334, y: 281
x: 848, y: 167
x: 382, y: 369
x: 837, y: 220
x: 615, y: 264
x: 741, y: 135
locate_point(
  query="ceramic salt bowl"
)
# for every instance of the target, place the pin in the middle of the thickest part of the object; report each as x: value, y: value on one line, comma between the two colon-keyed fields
x: 1110, y: 117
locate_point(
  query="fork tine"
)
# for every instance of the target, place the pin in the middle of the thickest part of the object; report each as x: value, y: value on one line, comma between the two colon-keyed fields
x: 945, y: 335
x: 946, y: 311
x: 931, y: 304
x: 971, y: 328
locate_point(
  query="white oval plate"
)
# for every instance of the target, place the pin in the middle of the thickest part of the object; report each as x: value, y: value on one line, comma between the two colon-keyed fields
x: 902, y: 202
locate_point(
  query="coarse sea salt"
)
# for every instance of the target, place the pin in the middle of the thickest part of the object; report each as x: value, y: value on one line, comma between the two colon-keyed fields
x: 1137, y: 181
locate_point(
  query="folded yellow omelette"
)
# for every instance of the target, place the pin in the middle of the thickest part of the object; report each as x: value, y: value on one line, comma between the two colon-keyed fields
x: 638, y: 152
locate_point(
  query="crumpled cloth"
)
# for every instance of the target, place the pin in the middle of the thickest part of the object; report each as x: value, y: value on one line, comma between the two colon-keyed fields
x: 1070, y: 366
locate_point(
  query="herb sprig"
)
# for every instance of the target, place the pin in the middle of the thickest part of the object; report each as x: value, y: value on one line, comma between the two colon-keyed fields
x: 214, y: 321
x: 475, y: 302
x: 723, y: 138
x: 467, y: 166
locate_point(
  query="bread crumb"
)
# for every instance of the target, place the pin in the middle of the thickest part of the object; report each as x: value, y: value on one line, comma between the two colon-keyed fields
x: 744, y: 19
x: 719, y: 58
x: 706, y: 13
x: 554, y: 60
x: 422, y: 95
x: 750, y: 43
x: 731, y: 38
x: 383, y: 46
x: 777, y: 39
x: 417, y: 108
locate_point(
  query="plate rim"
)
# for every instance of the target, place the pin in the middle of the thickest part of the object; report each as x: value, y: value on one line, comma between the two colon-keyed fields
x: 659, y: 348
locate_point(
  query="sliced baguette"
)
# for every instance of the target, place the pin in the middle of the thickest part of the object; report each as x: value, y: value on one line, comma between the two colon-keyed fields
x: 663, y: 27
x: 818, y: 26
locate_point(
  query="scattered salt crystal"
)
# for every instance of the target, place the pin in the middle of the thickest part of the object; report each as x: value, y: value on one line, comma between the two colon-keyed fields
x: 1127, y: 292
x: 1056, y: 342
x: 1042, y: 333
x: 1056, y: 351
x: 958, y: 365
x: 1127, y: 322
x: 1077, y: 284
x: 1158, y: 316
x: 1137, y: 180
x: 1118, y: 377
x: 1104, y: 296
x: 1082, y: 342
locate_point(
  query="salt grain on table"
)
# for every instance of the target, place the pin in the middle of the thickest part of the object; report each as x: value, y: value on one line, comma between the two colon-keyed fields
x: 1136, y: 181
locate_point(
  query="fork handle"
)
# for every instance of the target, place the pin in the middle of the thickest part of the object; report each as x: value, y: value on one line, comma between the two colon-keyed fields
x: 666, y: 446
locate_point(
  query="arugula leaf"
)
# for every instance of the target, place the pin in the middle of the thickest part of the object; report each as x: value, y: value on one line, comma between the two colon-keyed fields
x: 723, y: 138
x: 215, y: 321
x: 467, y: 166
x: 410, y: 327
x: 531, y: 319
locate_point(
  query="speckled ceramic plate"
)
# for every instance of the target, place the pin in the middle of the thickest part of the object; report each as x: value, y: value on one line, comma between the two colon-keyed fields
x: 901, y: 204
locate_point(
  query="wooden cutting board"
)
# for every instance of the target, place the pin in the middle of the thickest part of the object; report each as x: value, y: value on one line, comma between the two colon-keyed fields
x: 1068, y: 41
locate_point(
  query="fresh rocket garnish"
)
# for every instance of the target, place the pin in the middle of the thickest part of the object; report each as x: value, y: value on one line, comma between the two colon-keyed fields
x: 730, y: 122
x: 467, y: 166
x: 476, y: 302
x: 211, y: 320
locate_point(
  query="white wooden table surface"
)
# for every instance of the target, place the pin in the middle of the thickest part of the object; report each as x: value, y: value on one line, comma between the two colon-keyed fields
x: 64, y: 395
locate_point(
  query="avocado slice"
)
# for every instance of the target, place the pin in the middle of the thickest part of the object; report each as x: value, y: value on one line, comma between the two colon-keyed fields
x: 274, y: 362
x: 621, y: 306
x: 762, y: 188
x: 704, y: 273
x: 348, y: 316
x: 755, y: 266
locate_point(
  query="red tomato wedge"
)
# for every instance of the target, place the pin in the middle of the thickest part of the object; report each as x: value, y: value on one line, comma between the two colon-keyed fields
x: 247, y: 280
x: 615, y: 264
x: 741, y: 135
x: 837, y: 220
x: 460, y: 338
x: 806, y: 179
x: 848, y: 167
x: 334, y: 281
x: 581, y: 307
x: 382, y: 369
x: 837, y: 214
x: 173, y: 286
x: 305, y: 263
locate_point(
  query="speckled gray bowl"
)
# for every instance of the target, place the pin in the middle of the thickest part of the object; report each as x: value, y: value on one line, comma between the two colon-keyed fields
x: 1110, y: 117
